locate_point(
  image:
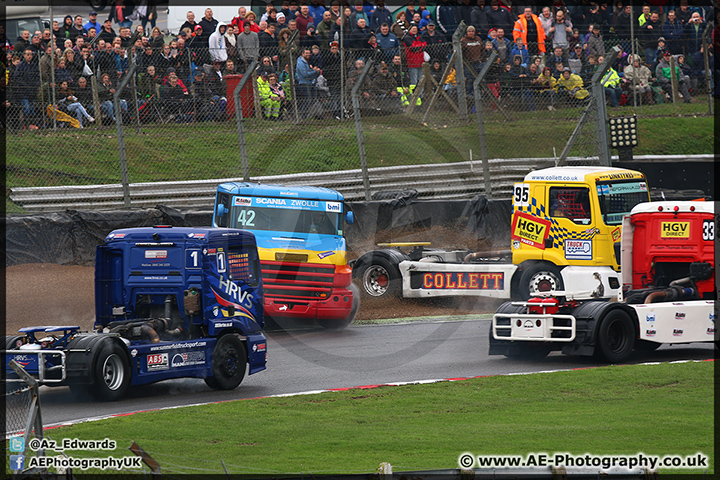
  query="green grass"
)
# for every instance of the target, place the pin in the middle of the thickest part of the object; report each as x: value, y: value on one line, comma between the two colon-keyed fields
x: 194, y: 152
x: 617, y: 410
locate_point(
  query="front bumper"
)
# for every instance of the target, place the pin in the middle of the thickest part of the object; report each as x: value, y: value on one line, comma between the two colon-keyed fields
x: 338, y: 305
x: 533, y: 327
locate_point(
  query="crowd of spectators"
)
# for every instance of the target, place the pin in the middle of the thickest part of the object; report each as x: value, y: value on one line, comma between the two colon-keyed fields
x: 313, y: 54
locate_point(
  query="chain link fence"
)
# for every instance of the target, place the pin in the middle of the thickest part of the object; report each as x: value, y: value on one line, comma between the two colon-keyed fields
x: 22, y: 418
x: 175, y: 119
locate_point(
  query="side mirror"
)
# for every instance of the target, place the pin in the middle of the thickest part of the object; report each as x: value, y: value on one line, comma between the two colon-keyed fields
x: 349, y: 217
x: 221, y: 210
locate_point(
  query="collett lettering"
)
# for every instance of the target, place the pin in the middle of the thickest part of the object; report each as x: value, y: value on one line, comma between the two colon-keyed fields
x: 463, y: 280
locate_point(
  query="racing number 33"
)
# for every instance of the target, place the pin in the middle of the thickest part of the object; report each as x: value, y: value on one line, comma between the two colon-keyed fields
x: 708, y: 230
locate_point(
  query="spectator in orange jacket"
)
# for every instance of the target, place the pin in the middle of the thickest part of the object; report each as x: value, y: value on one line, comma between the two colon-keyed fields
x: 530, y: 29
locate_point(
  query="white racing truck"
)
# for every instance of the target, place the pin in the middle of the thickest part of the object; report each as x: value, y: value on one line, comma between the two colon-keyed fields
x: 668, y: 294
x: 565, y: 233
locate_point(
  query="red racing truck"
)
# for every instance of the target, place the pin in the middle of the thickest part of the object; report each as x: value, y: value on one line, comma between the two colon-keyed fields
x: 668, y: 293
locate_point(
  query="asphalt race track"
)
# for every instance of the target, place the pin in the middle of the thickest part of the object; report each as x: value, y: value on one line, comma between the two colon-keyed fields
x: 316, y: 359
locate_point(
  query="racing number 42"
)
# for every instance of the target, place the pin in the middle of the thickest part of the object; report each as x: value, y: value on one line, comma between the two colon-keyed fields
x: 708, y: 230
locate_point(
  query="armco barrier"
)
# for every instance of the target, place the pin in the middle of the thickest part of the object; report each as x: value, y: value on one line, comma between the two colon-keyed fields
x: 436, y: 181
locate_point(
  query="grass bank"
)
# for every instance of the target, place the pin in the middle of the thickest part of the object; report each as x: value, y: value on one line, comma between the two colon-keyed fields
x: 656, y: 409
x: 174, y: 152
x: 211, y: 151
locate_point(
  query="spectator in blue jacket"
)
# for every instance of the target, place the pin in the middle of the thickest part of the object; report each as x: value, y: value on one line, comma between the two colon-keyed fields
x: 673, y: 31
x: 447, y: 18
x: 697, y: 70
x: 521, y: 50
x: 502, y: 45
x: 422, y: 25
x: 499, y: 17
x: 380, y: 15
x: 306, y: 80
x: 693, y: 34
x: 316, y: 10
x: 27, y: 79
x: 388, y: 42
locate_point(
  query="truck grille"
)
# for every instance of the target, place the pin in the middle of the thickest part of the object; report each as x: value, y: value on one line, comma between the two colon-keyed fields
x: 293, y: 281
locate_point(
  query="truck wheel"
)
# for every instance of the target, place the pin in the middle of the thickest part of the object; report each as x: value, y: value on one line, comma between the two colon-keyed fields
x: 338, y: 323
x: 11, y: 341
x: 380, y: 279
x: 98, y: 5
x: 111, y: 375
x: 539, y: 278
x: 616, y: 337
x: 228, y: 363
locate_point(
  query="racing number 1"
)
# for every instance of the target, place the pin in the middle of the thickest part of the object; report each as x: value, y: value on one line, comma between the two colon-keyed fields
x: 521, y: 194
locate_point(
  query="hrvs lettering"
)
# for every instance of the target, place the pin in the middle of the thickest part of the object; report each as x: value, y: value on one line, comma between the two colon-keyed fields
x: 231, y: 289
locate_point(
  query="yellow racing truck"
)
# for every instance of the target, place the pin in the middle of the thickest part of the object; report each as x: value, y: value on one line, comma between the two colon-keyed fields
x: 565, y: 236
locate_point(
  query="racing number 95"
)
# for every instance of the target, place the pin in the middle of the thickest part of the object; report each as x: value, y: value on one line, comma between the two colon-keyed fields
x: 708, y: 230
x: 521, y: 194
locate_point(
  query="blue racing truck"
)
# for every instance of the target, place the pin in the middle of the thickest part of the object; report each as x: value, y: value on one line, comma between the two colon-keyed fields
x: 303, y: 253
x: 169, y: 302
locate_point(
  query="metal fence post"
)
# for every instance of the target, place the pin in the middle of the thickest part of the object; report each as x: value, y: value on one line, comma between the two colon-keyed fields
x: 239, y: 119
x: 52, y: 73
x: 599, y: 98
x: 706, y: 60
x: 97, y: 108
x: 133, y: 60
x: 358, y: 127
x: 481, y: 120
x: 674, y: 81
x: 121, y: 136
x: 460, y: 69
x: 290, y: 42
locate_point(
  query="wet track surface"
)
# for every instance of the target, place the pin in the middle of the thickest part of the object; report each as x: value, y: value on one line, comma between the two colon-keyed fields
x: 314, y: 359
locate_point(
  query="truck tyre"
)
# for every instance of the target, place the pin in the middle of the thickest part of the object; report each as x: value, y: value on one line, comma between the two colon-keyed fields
x: 228, y: 363
x: 380, y: 279
x: 111, y: 372
x: 539, y: 277
x: 339, y: 323
x: 11, y: 341
x: 616, y: 337
x: 98, y: 5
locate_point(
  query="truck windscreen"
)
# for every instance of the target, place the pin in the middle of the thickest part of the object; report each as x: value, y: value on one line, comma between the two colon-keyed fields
x: 618, y: 198
x: 286, y: 220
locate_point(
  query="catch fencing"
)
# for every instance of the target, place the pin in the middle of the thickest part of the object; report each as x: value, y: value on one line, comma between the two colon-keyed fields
x: 22, y: 419
x: 445, y: 111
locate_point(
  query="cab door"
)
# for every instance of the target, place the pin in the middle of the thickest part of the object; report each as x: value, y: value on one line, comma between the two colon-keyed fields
x: 574, y: 238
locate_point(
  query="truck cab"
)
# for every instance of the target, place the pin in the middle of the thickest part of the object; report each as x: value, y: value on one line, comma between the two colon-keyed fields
x: 170, y: 302
x: 303, y: 252
x: 569, y: 219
